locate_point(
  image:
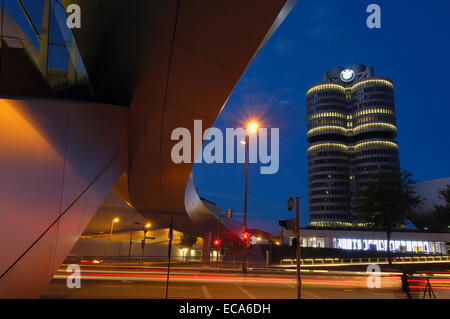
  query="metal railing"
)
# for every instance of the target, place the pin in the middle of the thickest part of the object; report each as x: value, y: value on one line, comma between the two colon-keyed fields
x: 366, y: 260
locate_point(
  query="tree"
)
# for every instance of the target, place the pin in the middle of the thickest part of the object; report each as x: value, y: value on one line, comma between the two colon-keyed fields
x: 442, y: 212
x: 386, y: 201
x: 188, y: 240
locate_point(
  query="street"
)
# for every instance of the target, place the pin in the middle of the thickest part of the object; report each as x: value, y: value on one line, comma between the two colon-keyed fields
x: 190, y: 283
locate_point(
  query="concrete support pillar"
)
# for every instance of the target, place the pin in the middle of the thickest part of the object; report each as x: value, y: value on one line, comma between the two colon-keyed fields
x: 206, y: 248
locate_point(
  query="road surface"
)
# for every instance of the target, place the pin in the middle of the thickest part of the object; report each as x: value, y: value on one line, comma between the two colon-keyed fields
x: 125, y: 282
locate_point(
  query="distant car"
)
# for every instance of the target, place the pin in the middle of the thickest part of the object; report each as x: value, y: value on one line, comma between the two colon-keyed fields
x: 92, y: 260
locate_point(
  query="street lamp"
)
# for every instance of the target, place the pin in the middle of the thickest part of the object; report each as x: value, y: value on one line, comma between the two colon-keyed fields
x: 131, y: 237
x: 115, y: 220
x: 146, y: 229
x: 252, y: 128
x: 185, y: 251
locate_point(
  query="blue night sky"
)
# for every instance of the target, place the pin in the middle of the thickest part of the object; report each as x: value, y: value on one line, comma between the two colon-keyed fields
x: 412, y: 48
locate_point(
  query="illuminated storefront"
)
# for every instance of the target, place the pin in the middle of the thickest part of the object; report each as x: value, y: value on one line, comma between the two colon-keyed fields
x: 315, y: 242
x: 402, y: 246
x: 408, y: 242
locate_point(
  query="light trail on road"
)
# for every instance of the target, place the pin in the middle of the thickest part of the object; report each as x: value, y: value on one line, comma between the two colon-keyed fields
x: 100, y: 281
x: 158, y: 275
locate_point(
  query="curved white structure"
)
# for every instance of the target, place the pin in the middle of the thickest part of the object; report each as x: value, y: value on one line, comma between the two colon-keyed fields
x: 152, y: 66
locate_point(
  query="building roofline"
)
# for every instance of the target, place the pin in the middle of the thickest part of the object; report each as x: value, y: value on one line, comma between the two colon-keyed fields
x: 350, y: 85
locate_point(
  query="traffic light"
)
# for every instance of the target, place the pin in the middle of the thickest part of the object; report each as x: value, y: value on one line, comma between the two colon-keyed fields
x: 216, y: 242
x: 229, y: 213
x: 246, y: 239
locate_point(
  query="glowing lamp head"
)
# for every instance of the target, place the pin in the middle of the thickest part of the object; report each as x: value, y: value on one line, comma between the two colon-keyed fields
x: 253, y: 126
x: 116, y: 220
x: 148, y: 225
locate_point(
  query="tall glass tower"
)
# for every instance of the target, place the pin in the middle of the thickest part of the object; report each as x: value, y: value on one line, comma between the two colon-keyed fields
x: 351, y: 135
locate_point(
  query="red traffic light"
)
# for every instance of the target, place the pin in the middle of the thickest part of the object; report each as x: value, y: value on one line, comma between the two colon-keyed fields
x: 229, y: 214
x: 245, y: 236
x: 216, y: 242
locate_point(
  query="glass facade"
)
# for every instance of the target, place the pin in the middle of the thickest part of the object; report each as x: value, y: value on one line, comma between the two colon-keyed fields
x: 351, y: 131
x: 402, y: 246
x: 39, y: 52
x: 315, y: 242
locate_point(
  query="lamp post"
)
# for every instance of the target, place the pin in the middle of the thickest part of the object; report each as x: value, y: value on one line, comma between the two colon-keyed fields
x: 297, y: 226
x: 115, y: 220
x: 131, y: 239
x: 298, y: 240
x: 252, y: 128
x: 228, y: 214
x: 146, y: 229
